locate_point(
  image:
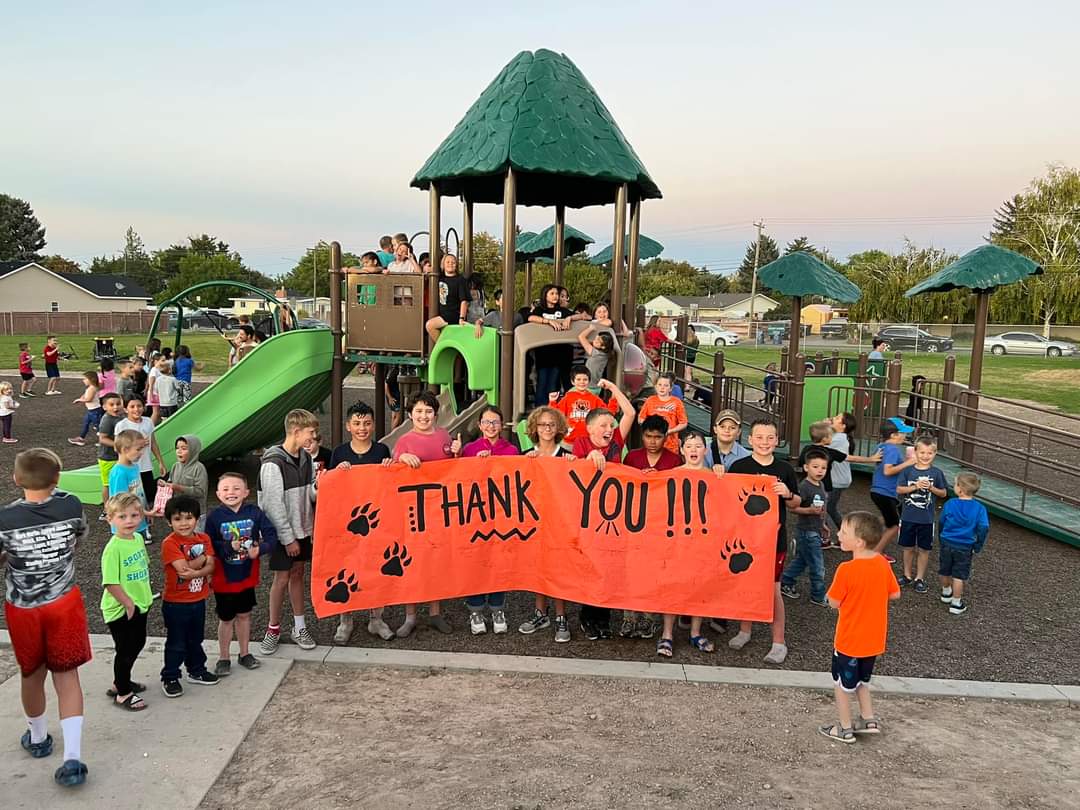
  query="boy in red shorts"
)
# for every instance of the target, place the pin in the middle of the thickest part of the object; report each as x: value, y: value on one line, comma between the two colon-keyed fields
x: 44, y: 608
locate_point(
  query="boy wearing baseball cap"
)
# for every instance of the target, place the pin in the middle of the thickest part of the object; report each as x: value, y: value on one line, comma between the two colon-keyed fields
x: 725, y: 448
x: 883, y: 487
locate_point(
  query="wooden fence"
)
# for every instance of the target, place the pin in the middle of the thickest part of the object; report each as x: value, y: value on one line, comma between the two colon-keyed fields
x: 77, y: 323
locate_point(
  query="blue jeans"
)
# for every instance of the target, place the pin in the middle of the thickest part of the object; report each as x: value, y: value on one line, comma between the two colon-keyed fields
x: 91, y: 419
x: 184, y: 631
x: 547, y: 380
x: 807, y: 556
x: 495, y: 601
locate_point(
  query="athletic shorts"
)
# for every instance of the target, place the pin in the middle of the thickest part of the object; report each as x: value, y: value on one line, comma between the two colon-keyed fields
x: 53, y: 634
x: 781, y: 557
x: 848, y: 672
x: 105, y: 467
x: 26, y: 375
x: 954, y: 561
x: 886, y: 504
x: 916, y: 534
x: 230, y: 605
x: 281, y: 561
x: 52, y: 370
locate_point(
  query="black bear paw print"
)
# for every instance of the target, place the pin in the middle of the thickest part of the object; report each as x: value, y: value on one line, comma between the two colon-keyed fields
x: 754, y: 500
x: 339, y: 589
x: 739, y: 559
x: 362, y: 522
x: 397, y: 560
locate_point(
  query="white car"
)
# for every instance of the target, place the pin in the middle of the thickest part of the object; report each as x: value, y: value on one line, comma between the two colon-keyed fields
x: 709, y: 334
x: 1029, y: 343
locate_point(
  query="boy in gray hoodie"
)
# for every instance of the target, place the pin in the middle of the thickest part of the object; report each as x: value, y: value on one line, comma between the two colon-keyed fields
x: 188, y: 475
x: 287, y: 496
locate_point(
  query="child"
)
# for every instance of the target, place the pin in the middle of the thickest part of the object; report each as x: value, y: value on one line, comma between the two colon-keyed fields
x: 106, y: 376
x: 662, y: 403
x: 546, y: 428
x: 167, y: 389
x: 964, y: 526
x: 763, y: 461
x: 725, y: 448
x: 139, y: 377
x: 821, y: 434
x: 92, y: 408
x: 125, y: 382
x: 810, y: 529
x: 843, y: 427
x: 188, y: 475
x: 152, y: 397
x: 135, y: 420
x: 918, y: 486
x: 320, y: 456
x: 404, y: 261
x: 861, y: 590
x: 598, y: 348
x: 126, y: 598
x: 770, y: 383
x: 51, y: 355
x: 113, y: 409
x: 240, y: 533
x: 425, y: 442
x: 493, y: 318
x: 26, y: 371
x: 183, y: 367
x: 44, y: 611
x: 370, y: 262
x: 287, y: 495
x: 579, y: 402
x: 653, y: 456
x: 477, y: 303
x: 360, y: 449
x: 548, y: 359
x: 883, y: 484
x: 124, y: 475
x: 603, y: 443
x: 8, y: 406
x: 188, y: 559
x: 490, y: 443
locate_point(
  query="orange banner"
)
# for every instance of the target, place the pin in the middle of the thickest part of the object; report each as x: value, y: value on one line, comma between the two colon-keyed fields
x: 678, y: 542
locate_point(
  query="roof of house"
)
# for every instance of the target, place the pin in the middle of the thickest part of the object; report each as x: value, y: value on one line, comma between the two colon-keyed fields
x: 714, y: 301
x: 100, y: 285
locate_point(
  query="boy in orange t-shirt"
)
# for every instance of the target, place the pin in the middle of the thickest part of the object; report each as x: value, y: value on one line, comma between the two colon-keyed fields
x: 578, y: 401
x: 862, y: 589
x: 662, y: 403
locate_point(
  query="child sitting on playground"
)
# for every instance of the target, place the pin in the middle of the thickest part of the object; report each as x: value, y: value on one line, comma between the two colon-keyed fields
x: 493, y: 318
x: 403, y: 262
x: 598, y: 348
x: 671, y: 408
x: 454, y: 298
x: 91, y: 408
x: 919, y: 486
x: 577, y: 403
x: 964, y: 526
x: 883, y: 484
x: 369, y: 263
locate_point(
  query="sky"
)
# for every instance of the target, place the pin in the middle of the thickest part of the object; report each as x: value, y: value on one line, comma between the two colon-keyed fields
x: 272, y: 127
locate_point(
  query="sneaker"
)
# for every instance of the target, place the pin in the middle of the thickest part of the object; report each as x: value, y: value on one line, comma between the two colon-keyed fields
x: 377, y: 627
x: 203, y: 679
x: 789, y: 591
x: 344, y: 630
x: 889, y: 558
x: 498, y: 621
x: 172, y: 688
x: 37, y: 750
x: 10, y: 441
x: 248, y: 661
x: 103, y: 517
x: 718, y: 625
x: 920, y: 586
x: 590, y: 632
x: 53, y: 393
x: 562, y: 630
x: 31, y: 394
x: 604, y: 630
x: 77, y: 442
x: 903, y: 581
x: 439, y: 622
x: 739, y: 640
x: 148, y: 539
x: 776, y: 654
x: 477, y: 625
x: 819, y: 602
x: 539, y: 621
x: 270, y: 643
x: 24, y: 396
x: 626, y: 627
x: 644, y: 628
x: 946, y: 595
x: 957, y: 606
x: 71, y: 773
x: 302, y: 639
x: 223, y: 668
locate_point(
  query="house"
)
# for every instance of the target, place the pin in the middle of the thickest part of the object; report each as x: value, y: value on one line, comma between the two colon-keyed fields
x: 716, y: 307
x: 814, y: 315
x: 30, y: 287
x: 312, y: 308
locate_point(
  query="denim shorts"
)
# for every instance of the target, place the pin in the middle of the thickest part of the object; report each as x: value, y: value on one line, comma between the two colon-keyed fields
x: 916, y: 534
x: 955, y: 561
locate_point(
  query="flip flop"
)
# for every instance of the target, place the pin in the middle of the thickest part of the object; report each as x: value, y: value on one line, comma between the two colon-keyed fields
x: 132, y: 703
x: 135, y: 687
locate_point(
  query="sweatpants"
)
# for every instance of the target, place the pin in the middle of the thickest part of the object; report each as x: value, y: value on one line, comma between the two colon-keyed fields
x: 130, y: 638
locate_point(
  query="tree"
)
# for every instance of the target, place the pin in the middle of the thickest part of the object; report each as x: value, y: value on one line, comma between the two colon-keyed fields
x: 316, y: 260
x: 667, y: 277
x: 58, y: 264
x: 21, y: 235
x: 196, y: 269
x: 167, y: 261
x: 133, y: 262
x: 744, y: 277
x: 884, y: 278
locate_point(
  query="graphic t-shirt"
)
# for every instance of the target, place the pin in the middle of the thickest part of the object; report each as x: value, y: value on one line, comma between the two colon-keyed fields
x: 248, y: 526
x: 812, y: 495
x: 177, y: 547
x: 146, y: 428
x: 862, y: 587
x: 919, y: 506
x: 452, y: 291
x: 125, y: 563
x: 321, y: 460
x: 126, y: 478
x: 107, y: 428
x: 344, y: 453
x: 575, y: 406
x: 673, y: 412
x: 583, y: 445
x: 777, y: 469
x: 639, y: 460
x: 25, y: 363
x: 51, y: 354
x: 425, y: 446
x: 39, y: 541
x: 884, y: 484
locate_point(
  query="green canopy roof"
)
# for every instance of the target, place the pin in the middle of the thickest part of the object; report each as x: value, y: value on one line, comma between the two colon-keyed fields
x: 522, y: 239
x: 800, y: 274
x: 647, y: 249
x: 982, y: 270
x: 542, y: 245
x: 542, y: 117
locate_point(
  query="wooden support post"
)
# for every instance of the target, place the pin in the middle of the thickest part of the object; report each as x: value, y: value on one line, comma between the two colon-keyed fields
x: 717, y: 386
x: 796, y: 388
x: 632, y: 263
x: 337, y: 368
x: 380, y: 400
x: 560, y: 246
x: 506, y: 329
x: 467, y: 238
x: 618, y: 252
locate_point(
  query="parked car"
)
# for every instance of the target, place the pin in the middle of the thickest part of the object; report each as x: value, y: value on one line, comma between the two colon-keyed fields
x: 836, y: 328
x: 312, y: 323
x: 1029, y: 343
x: 911, y: 338
x: 709, y: 334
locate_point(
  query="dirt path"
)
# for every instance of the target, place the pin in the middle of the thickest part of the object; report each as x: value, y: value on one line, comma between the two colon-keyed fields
x: 397, y: 739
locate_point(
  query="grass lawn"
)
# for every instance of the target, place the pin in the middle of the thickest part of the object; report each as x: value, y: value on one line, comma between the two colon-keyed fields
x: 206, y: 347
x: 1054, y: 382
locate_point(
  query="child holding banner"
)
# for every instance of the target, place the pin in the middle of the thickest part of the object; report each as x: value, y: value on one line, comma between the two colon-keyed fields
x: 425, y: 442
x: 762, y: 461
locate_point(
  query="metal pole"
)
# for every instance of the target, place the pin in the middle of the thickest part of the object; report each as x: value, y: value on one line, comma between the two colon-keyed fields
x: 528, y: 283
x: 560, y: 245
x: 506, y: 331
x: 760, y: 224
x: 467, y: 239
x: 632, y: 263
x: 314, y: 281
x: 617, y: 255
x: 681, y: 328
x: 337, y: 369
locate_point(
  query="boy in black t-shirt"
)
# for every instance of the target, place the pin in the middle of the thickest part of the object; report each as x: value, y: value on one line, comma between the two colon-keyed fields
x: 360, y: 449
x: 454, y: 298
x: 762, y: 461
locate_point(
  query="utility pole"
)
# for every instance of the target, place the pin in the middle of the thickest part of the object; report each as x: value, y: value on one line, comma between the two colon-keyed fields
x: 760, y: 224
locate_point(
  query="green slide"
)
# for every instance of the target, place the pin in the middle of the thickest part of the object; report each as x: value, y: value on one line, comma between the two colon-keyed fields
x: 245, y: 408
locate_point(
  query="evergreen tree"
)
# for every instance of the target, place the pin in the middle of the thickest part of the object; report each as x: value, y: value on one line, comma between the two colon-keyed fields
x: 745, y: 275
x: 21, y: 235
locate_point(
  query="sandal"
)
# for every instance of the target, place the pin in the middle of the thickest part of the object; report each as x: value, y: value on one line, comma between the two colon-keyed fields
x: 837, y: 733
x: 663, y: 648
x: 701, y: 644
x: 132, y: 703
x: 867, y: 725
x: 135, y: 687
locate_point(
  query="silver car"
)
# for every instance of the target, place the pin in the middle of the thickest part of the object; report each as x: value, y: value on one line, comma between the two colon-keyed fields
x: 1029, y: 343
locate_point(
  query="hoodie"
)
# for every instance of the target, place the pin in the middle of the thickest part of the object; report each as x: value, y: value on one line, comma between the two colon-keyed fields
x: 287, y: 493
x: 192, y: 474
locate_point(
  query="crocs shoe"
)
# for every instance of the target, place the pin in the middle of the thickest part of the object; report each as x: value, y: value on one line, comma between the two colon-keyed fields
x: 71, y: 773
x: 37, y: 750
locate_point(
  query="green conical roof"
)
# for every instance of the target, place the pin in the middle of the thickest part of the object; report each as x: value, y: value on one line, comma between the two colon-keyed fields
x: 982, y: 270
x: 522, y: 238
x: 543, y: 118
x: 542, y: 245
x: 647, y: 249
x: 800, y: 274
